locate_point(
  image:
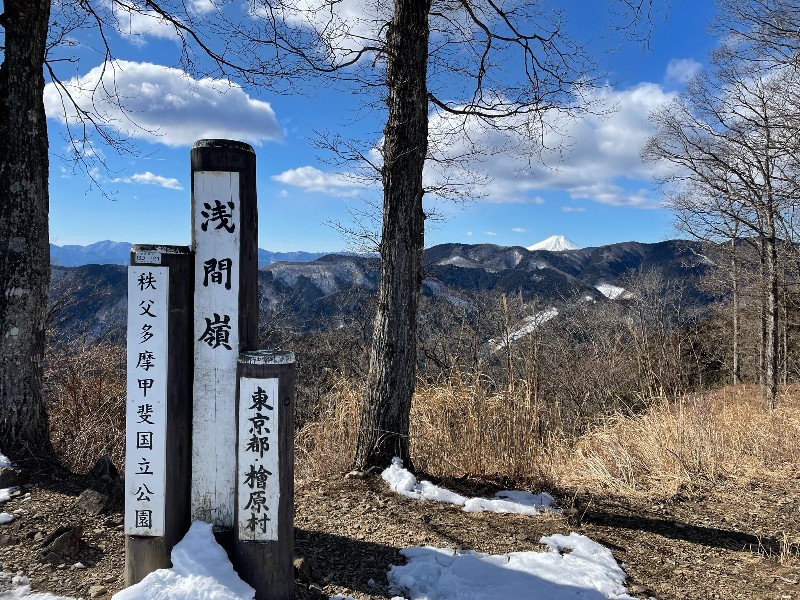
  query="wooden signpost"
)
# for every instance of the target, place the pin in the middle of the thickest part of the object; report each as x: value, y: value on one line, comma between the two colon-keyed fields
x: 264, y: 545
x: 159, y: 406
x: 224, y: 233
x: 210, y: 420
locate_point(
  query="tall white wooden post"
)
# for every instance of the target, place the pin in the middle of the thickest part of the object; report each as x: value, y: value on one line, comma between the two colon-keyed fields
x: 224, y: 239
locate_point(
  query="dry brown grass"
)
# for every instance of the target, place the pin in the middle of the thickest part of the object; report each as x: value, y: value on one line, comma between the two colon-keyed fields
x: 674, y: 445
x: 460, y: 428
x: 457, y: 428
x: 789, y: 549
x: 85, y: 391
x: 327, y: 444
x: 467, y: 427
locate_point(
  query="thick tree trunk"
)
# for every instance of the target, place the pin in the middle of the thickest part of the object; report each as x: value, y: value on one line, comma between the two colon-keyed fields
x: 384, y: 419
x: 24, y: 243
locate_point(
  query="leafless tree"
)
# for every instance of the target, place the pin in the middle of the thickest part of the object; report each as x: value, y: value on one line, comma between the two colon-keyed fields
x: 732, y: 140
x: 472, y: 64
x: 37, y: 37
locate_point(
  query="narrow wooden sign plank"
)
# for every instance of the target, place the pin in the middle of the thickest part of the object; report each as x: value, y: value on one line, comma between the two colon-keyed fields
x: 217, y: 227
x: 259, y: 470
x: 146, y: 408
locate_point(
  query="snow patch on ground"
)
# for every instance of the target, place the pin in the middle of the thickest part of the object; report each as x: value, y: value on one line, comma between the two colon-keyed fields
x: 527, y: 326
x: 521, y: 503
x: 403, y: 482
x: 13, y: 587
x: 612, y: 292
x: 4, y: 462
x: 200, y: 571
x: 6, y: 518
x: 573, y: 568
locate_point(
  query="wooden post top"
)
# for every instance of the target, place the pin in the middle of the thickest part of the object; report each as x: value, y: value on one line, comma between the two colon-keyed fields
x: 161, y: 248
x: 266, y: 357
x: 224, y: 144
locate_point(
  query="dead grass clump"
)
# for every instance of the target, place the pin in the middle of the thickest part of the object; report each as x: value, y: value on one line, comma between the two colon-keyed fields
x: 673, y: 445
x: 789, y: 550
x: 85, y: 393
x: 459, y: 427
x: 465, y: 426
x: 327, y: 444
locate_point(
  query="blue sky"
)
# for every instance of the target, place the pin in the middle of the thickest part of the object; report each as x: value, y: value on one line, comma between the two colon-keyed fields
x: 595, y: 192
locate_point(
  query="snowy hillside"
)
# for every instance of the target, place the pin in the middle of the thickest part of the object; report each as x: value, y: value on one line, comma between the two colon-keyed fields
x: 555, y: 243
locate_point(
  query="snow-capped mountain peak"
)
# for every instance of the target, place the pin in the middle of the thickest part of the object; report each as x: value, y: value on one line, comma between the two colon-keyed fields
x: 555, y: 243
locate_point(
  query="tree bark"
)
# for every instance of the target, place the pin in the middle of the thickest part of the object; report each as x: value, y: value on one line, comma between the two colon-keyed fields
x: 735, y: 307
x: 24, y: 239
x: 384, y: 418
x: 771, y: 321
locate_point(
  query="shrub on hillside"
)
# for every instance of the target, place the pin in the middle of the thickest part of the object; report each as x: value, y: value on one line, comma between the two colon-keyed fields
x: 84, y: 385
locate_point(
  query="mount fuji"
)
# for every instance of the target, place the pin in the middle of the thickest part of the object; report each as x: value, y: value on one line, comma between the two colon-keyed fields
x: 555, y: 243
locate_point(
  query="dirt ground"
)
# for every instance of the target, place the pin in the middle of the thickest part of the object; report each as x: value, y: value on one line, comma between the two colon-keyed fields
x: 722, y: 541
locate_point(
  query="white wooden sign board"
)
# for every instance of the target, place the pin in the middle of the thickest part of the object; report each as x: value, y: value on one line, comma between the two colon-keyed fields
x: 146, y: 407
x: 217, y: 230
x: 258, y: 475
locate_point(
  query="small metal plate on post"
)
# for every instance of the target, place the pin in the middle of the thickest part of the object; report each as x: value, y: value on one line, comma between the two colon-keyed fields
x: 148, y: 257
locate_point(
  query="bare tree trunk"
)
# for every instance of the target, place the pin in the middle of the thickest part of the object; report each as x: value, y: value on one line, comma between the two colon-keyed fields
x: 784, y: 334
x: 771, y: 321
x: 384, y: 418
x: 735, y: 307
x: 762, y: 331
x: 24, y: 239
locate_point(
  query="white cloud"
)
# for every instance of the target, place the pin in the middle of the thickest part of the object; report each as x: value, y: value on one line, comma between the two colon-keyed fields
x: 470, y: 234
x: 519, y: 230
x: 165, y: 105
x: 344, y: 27
x: 312, y: 179
x: 490, y: 233
x: 148, y: 178
x: 597, y: 158
x: 573, y: 209
x: 135, y: 24
x: 202, y: 6
x: 681, y: 70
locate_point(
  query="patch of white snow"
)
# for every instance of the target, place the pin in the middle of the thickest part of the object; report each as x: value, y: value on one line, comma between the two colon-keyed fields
x: 528, y: 325
x: 508, y: 501
x: 612, y: 292
x: 5, y: 493
x: 555, y: 243
x: 573, y: 568
x: 403, y: 482
x: 13, y: 587
x: 200, y: 571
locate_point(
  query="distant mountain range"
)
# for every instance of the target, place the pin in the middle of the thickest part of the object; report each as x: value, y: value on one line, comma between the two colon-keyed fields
x: 318, y: 294
x: 119, y: 253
